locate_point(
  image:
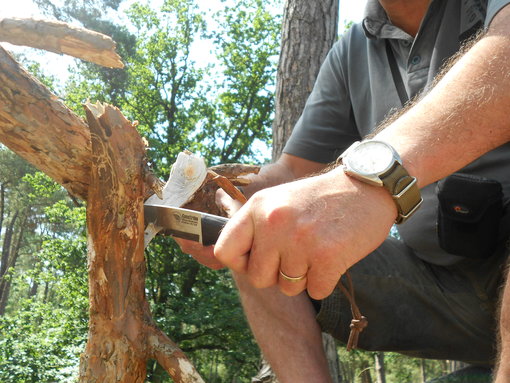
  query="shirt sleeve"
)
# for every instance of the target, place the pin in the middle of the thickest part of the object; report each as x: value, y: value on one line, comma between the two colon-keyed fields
x: 326, y: 126
x: 493, y: 7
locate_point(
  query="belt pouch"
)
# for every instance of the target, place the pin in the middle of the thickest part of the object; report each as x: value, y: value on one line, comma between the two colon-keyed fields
x: 470, y: 210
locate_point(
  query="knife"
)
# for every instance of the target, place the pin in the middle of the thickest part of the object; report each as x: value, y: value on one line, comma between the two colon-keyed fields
x: 183, y: 223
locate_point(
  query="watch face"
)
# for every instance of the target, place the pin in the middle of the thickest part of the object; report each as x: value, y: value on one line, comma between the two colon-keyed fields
x: 371, y: 157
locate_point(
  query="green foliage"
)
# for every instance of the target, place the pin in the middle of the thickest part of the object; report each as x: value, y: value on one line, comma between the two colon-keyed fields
x: 243, y: 109
x: 199, y: 309
x: 44, y: 325
x: 34, y: 349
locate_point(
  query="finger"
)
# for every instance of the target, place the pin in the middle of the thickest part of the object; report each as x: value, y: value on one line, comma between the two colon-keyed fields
x: 235, y: 241
x: 263, y: 266
x: 292, y: 277
x: 228, y: 204
x: 202, y: 254
x: 322, y: 281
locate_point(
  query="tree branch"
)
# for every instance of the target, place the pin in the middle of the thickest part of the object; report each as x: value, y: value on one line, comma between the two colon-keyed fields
x: 41, y: 129
x: 59, y: 37
x: 172, y: 359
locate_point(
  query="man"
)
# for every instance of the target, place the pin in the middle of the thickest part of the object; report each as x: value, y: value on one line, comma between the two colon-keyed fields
x: 434, y: 294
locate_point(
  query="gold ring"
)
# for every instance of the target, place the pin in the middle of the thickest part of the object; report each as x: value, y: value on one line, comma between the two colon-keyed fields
x: 292, y: 279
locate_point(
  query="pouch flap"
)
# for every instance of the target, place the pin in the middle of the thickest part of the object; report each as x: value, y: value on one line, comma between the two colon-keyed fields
x: 465, y: 197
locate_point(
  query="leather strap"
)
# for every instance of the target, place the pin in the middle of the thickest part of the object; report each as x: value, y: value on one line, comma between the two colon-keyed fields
x: 358, y: 322
x: 404, y: 191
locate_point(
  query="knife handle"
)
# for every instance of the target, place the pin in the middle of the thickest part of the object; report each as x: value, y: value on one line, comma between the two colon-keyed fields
x: 211, y: 228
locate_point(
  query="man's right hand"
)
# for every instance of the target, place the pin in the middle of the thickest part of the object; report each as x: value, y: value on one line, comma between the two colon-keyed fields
x: 286, y: 169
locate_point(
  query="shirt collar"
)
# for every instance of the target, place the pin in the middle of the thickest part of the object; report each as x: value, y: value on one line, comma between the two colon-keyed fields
x: 377, y: 25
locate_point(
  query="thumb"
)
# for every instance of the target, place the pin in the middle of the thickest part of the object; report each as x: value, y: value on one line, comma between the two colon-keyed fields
x: 230, y: 205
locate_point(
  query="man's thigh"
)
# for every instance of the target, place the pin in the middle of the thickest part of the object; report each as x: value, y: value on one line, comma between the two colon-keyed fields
x: 420, y: 309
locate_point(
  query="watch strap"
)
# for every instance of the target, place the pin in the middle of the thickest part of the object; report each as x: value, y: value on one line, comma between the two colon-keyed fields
x: 404, y: 191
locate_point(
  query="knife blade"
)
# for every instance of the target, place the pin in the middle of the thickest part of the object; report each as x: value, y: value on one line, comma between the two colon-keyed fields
x: 184, y: 223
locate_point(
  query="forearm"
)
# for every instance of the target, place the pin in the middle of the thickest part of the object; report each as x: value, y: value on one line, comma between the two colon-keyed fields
x: 286, y: 169
x: 464, y: 116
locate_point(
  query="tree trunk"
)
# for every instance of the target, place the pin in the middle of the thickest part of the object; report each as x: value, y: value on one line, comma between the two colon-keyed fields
x: 332, y: 355
x: 309, y: 30
x: 423, y: 370
x: 10, y: 254
x: 122, y: 335
x: 38, y: 127
x: 380, y: 370
x: 7, y: 261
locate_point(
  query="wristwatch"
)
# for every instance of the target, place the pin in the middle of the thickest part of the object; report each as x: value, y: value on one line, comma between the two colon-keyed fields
x: 377, y: 163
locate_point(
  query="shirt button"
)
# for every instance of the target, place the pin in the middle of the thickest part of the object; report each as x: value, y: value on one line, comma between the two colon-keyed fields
x: 416, y: 60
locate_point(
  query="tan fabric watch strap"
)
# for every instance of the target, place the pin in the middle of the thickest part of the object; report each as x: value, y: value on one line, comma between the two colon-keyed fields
x: 404, y: 190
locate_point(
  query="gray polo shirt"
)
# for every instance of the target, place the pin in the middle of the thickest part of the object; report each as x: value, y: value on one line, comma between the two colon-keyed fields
x: 354, y: 92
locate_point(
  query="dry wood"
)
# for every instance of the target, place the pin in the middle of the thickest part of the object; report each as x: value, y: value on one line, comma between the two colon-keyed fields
x: 59, y: 37
x: 122, y: 336
x: 204, y: 198
x: 191, y: 185
x: 236, y: 173
x: 36, y: 125
x: 224, y: 183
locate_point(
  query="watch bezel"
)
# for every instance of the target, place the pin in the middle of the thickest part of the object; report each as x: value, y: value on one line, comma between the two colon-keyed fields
x: 372, y: 178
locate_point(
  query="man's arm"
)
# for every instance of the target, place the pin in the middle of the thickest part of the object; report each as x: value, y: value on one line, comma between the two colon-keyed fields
x: 322, y: 225
x: 465, y: 115
x: 286, y: 169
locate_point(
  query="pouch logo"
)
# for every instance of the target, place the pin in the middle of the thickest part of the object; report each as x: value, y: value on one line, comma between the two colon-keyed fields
x: 460, y: 209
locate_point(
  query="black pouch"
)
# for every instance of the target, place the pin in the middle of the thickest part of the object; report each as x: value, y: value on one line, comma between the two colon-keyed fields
x: 470, y: 211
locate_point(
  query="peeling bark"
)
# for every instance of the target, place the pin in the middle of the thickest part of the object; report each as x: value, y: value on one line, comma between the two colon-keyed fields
x: 37, y: 126
x: 105, y: 166
x: 122, y: 335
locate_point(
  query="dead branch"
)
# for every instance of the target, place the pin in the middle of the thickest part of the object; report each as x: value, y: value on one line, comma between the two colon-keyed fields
x: 36, y: 125
x: 62, y: 38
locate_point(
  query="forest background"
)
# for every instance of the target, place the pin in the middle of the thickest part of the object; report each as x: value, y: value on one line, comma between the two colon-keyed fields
x: 197, y: 79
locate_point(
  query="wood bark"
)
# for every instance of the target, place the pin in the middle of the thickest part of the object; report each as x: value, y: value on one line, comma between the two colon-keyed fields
x: 36, y: 125
x: 309, y: 30
x: 10, y: 252
x: 122, y: 335
x: 60, y: 37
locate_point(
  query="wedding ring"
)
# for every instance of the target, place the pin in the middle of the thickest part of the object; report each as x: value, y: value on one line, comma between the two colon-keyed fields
x: 292, y: 279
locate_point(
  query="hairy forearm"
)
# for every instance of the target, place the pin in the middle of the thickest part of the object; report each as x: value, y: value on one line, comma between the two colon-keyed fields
x: 464, y: 116
x: 286, y: 169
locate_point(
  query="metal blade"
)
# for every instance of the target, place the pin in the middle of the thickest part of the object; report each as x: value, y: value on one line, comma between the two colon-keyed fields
x: 184, y: 223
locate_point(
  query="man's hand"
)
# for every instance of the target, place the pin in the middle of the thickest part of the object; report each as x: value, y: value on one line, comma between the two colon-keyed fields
x: 318, y: 227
